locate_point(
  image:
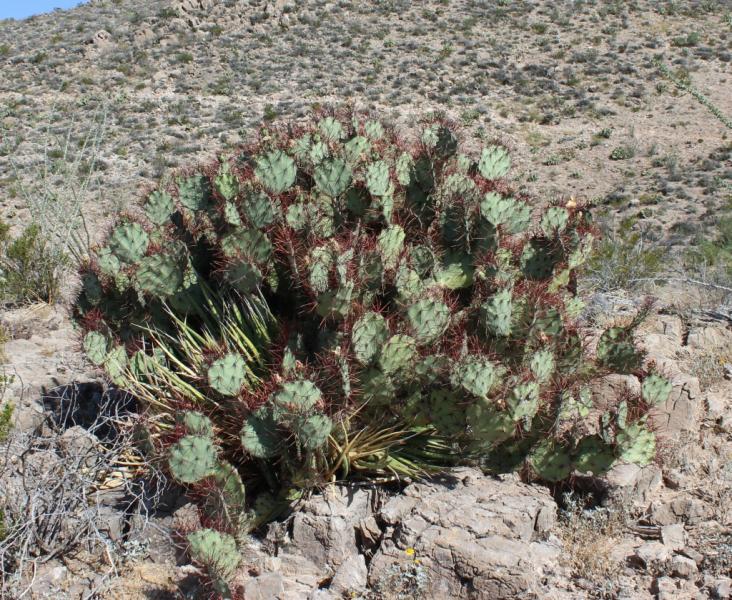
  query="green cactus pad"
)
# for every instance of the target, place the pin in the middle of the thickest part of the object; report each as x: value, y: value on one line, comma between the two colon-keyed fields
x: 321, y: 261
x: 228, y: 374
x: 374, y: 130
x: 593, y: 455
x: 456, y: 271
x: 192, y: 458
x: 404, y: 166
x: 523, y: 401
x: 331, y: 129
x: 476, y: 375
x: 216, y: 551
x: 636, y: 444
x: 259, y: 435
x: 572, y: 407
x: 537, y: 260
x: 194, y: 192
x: 159, y: 275
x: 95, y: 346
x: 554, y: 220
x: 489, y: 425
x: 248, y: 243
x: 428, y: 319
x: 513, y: 215
x: 226, y: 182
x: 377, y: 178
x: 408, y: 283
x: 431, y: 368
x: 313, y: 431
x: 244, y: 276
x: 543, y: 365
x: 655, y: 389
x: 333, y: 177
x: 398, y: 353
x: 129, y: 242
x: 227, y: 499
x: 259, y: 210
x: 159, y: 207
x: 115, y: 364
x: 391, y: 245
x: 319, y: 151
x: 356, y: 149
x: 297, y: 396
x: 336, y: 303
x: 369, y: 334
x: 551, y: 461
x: 494, y: 162
x: 498, y: 313
x: 376, y: 388
x: 616, y: 350
x: 196, y: 423
x: 446, y: 413
x: 276, y: 171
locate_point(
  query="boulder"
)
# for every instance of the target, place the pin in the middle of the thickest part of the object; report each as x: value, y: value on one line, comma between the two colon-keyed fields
x: 468, y: 536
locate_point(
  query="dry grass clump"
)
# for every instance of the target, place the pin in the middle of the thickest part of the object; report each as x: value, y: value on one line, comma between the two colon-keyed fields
x: 589, y: 536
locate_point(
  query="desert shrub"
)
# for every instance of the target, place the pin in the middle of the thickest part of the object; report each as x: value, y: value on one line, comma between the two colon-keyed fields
x: 6, y: 420
x: 30, y: 269
x: 336, y: 301
x: 712, y: 252
x: 624, y: 259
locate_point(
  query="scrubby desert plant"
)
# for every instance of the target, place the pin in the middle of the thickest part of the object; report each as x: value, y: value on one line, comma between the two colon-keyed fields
x: 336, y: 300
x: 31, y: 268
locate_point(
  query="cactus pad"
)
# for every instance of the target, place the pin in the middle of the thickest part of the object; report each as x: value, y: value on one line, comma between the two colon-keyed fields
x: 370, y: 333
x: 159, y: 207
x: 656, y: 389
x: 494, y: 162
x: 228, y: 374
x: 129, y: 242
x: 333, y: 177
x: 95, y: 346
x: 159, y: 275
x: 476, y: 375
x: 192, y: 458
x: 259, y: 435
x: 428, y: 319
x: 297, y: 396
x: 194, y: 192
x: 398, y: 353
x: 216, y: 551
x: 276, y: 171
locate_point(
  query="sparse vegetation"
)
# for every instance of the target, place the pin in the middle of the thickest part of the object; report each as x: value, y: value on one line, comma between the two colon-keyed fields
x: 626, y: 258
x: 30, y: 269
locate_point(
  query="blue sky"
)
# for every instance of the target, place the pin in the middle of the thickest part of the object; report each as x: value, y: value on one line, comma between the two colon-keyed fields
x: 19, y: 9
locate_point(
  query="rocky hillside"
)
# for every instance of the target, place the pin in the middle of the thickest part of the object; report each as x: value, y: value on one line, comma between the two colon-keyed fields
x: 592, y: 99
x: 572, y: 87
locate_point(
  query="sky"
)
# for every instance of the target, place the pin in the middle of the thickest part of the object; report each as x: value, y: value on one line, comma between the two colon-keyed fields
x: 19, y: 9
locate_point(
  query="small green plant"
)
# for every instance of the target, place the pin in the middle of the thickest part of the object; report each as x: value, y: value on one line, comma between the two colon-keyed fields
x: 270, y: 113
x: 6, y: 420
x: 686, y: 41
x: 30, y: 268
x: 624, y: 152
x: 184, y: 57
x: 625, y: 258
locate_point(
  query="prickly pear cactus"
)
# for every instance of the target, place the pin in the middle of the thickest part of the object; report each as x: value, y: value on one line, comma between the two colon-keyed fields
x: 331, y: 300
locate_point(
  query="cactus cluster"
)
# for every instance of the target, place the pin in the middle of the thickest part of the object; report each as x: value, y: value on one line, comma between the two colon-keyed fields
x: 407, y: 287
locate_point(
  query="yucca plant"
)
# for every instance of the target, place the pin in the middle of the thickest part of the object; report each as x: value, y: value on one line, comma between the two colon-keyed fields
x: 334, y: 301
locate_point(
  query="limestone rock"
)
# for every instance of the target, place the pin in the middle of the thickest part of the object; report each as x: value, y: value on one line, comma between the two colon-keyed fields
x: 471, y: 535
